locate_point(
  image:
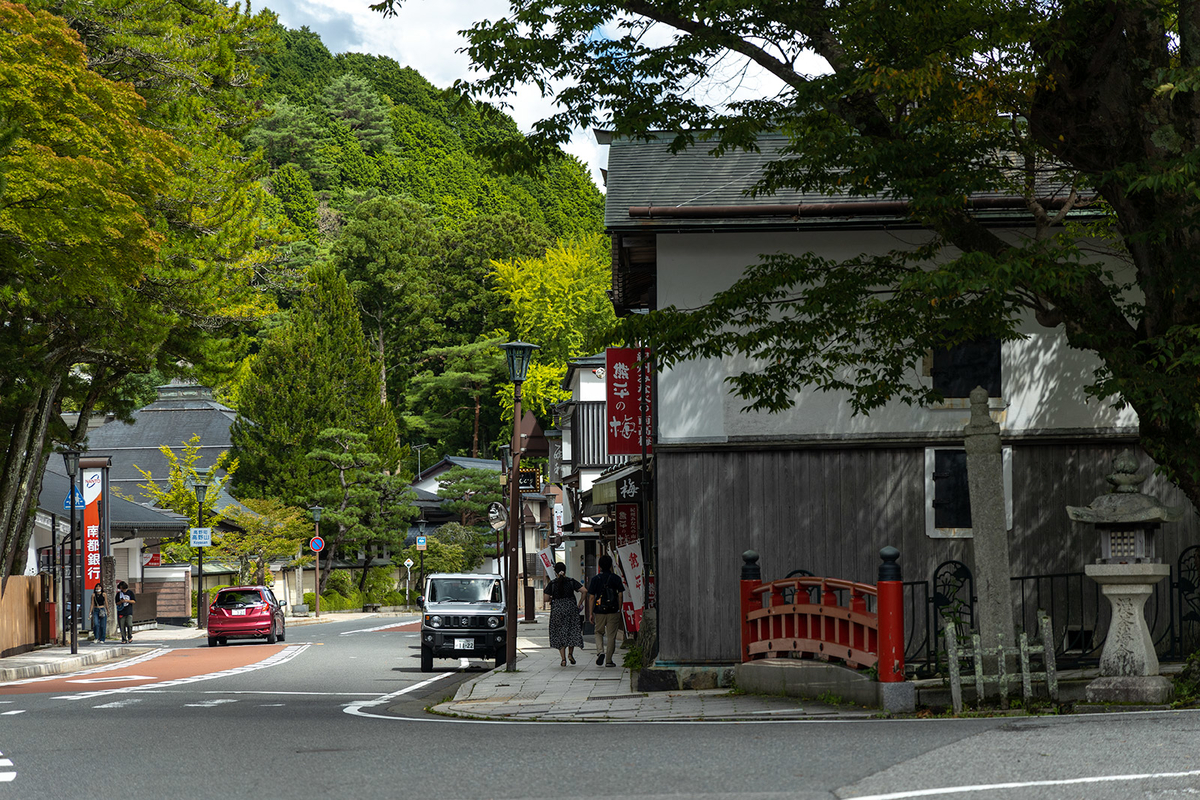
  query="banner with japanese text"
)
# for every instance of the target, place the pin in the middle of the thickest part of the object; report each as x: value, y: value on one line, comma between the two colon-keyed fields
x: 635, y: 585
x: 93, y: 484
x: 627, y: 384
x: 627, y: 524
x: 546, y: 558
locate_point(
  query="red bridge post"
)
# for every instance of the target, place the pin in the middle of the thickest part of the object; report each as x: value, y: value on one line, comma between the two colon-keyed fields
x: 751, y: 580
x: 890, y: 607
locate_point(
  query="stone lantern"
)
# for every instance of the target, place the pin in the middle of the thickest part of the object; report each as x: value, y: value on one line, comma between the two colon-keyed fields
x: 1126, y: 571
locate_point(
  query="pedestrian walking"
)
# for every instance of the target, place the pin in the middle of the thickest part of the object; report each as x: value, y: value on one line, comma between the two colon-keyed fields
x: 565, y: 631
x: 125, y: 601
x: 603, y: 601
x: 100, y: 613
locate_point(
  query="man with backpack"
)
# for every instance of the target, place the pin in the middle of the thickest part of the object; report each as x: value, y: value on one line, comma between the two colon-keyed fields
x: 603, y: 602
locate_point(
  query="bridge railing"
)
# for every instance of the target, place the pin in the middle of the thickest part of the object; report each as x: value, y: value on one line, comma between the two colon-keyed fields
x: 857, y: 623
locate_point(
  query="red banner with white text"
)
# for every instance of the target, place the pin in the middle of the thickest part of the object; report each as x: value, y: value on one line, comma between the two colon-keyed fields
x: 627, y: 384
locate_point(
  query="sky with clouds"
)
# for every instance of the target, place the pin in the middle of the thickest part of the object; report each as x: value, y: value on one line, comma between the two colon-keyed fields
x: 423, y: 35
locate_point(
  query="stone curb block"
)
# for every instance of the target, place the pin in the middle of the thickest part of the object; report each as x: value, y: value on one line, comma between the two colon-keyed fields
x: 66, y: 665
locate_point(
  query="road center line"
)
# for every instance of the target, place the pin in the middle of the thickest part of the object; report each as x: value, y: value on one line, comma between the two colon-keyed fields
x: 381, y: 627
x: 991, y: 787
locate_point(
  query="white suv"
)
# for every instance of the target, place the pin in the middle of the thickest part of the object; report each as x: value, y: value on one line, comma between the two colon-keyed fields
x: 463, y: 618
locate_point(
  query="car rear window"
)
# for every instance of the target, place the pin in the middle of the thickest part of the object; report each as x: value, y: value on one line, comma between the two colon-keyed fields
x: 238, y: 599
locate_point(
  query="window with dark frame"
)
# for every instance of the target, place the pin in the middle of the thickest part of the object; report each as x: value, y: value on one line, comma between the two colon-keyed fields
x: 951, y: 494
x: 959, y: 369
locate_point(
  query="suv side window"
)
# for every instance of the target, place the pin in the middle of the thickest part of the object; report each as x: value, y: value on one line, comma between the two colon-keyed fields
x: 271, y: 598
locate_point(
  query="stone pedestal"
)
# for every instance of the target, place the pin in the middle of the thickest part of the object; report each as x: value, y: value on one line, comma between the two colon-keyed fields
x: 1128, y: 664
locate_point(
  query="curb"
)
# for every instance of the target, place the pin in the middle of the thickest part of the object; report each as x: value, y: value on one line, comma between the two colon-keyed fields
x: 67, y: 665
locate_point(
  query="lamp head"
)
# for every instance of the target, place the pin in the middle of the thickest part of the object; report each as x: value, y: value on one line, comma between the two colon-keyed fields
x: 71, y: 462
x: 201, y: 492
x: 421, y: 526
x: 518, y: 354
x: 316, y: 510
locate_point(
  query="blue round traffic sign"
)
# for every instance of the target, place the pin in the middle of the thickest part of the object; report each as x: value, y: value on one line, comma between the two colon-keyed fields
x: 316, y: 543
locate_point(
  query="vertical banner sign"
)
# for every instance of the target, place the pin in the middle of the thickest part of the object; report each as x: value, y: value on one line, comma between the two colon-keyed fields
x: 557, y: 521
x: 626, y: 383
x: 546, y: 557
x: 635, y: 585
x: 93, y: 482
x: 627, y: 524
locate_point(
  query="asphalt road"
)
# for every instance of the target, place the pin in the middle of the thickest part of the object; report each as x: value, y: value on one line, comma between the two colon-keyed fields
x: 338, y: 711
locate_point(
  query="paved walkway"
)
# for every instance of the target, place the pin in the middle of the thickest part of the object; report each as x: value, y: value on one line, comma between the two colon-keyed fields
x: 542, y: 689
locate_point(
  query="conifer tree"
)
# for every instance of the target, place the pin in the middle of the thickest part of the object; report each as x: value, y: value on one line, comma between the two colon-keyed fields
x: 312, y: 373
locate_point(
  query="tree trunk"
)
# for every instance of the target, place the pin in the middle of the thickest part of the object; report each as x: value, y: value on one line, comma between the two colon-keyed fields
x: 475, y: 438
x: 382, y: 368
x: 21, y: 482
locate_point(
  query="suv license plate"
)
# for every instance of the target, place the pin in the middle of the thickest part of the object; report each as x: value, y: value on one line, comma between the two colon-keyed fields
x: 238, y: 612
x: 464, y: 644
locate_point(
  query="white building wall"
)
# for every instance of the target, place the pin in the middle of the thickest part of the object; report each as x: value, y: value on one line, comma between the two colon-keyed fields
x: 1041, y: 377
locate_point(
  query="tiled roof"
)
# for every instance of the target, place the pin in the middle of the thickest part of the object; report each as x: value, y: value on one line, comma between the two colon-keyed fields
x: 647, y: 174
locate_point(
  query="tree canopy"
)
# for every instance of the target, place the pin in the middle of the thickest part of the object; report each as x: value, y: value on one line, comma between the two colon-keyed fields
x: 1060, y: 105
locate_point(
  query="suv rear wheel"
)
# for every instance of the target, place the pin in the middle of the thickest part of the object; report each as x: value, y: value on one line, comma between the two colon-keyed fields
x: 426, y: 659
x: 271, y: 637
x: 212, y: 641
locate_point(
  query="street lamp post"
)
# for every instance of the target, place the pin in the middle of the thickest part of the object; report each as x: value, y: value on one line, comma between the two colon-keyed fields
x: 71, y: 462
x: 201, y: 606
x: 518, y: 355
x: 316, y: 515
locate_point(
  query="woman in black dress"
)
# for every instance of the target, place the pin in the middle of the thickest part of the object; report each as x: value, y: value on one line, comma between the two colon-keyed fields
x: 565, y: 631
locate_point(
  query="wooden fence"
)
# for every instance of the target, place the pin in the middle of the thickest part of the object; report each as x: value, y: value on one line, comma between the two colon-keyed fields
x: 21, y: 626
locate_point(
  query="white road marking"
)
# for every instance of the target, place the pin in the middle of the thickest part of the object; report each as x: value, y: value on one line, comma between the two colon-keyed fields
x: 208, y: 703
x: 356, y: 708
x: 124, y: 664
x: 120, y: 703
x: 272, y: 705
x: 116, y: 679
x: 301, y: 694
x: 5, y: 762
x: 6, y: 776
x: 381, y: 627
x: 991, y: 787
x: 282, y: 657
x: 11, y: 713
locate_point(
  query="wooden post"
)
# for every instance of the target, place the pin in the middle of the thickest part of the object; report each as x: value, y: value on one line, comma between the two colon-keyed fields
x: 751, y: 580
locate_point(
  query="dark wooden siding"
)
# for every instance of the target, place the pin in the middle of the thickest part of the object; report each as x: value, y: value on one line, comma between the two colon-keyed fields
x: 830, y: 511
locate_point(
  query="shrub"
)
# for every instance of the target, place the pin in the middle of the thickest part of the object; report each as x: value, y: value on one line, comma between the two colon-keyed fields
x: 339, y: 581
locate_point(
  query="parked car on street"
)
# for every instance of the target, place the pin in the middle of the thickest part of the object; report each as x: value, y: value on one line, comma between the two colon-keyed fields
x: 463, y: 617
x: 245, y: 612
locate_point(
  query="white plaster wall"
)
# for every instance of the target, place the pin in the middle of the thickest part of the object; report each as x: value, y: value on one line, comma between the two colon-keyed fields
x: 1041, y: 377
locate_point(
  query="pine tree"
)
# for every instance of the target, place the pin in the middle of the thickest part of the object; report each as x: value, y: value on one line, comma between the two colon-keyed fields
x: 313, y: 373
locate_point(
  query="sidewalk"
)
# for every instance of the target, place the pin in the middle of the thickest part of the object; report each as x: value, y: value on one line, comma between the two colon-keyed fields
x: 541, y: 689
x: 58, y: 660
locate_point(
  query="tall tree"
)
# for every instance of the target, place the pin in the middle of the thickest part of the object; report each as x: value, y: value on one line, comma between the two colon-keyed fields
x: 558, y: 301
x: 312, y: 373
x: 928, y: 104
x: 107, y: 220
x: 386, y: 251
x: 351, y: 100
x: 448, y: 401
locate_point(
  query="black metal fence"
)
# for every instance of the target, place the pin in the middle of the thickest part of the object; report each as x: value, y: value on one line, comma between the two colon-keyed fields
x: 1079, y: 613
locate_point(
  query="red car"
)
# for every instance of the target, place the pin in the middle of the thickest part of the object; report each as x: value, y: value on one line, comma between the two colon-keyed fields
x: 245, y: 612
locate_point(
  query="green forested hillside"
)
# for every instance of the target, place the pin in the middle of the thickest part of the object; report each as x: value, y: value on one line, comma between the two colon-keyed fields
x: 194, y: 191
x: 381, y: 174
